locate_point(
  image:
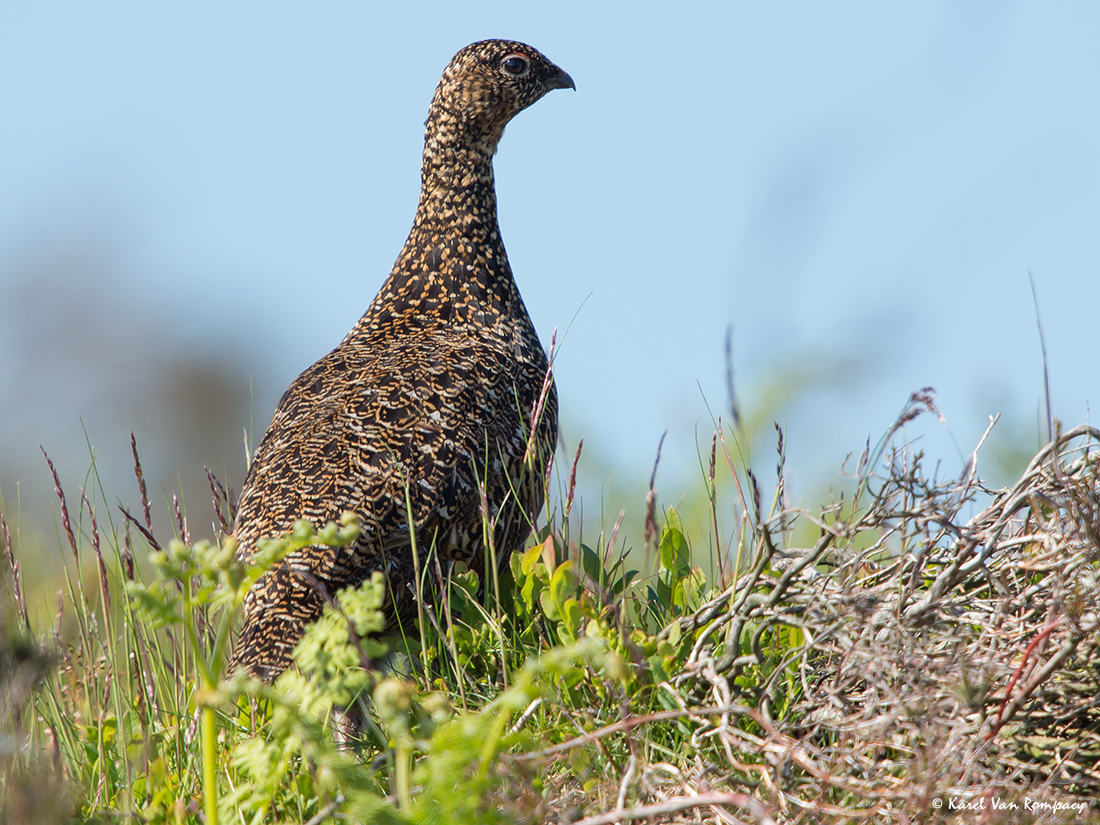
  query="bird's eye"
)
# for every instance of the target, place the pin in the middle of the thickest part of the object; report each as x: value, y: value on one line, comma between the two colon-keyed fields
x: 516, y: 65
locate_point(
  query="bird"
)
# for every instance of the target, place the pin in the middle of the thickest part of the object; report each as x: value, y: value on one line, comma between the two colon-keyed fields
x: 441, y: 392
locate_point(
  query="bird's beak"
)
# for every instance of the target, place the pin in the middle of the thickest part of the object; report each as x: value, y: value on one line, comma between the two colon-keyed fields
x: 560, y: 81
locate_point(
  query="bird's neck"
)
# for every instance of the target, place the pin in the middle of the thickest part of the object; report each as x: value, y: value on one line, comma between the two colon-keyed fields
x: 457, y: 196
x: 453, y: 269
x: 458, y: 201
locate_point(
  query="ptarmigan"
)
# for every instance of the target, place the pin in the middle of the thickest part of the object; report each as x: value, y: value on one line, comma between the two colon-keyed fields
x: 436, y: 388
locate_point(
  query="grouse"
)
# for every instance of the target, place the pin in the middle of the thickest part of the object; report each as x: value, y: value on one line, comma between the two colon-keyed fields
x: 441, y: 391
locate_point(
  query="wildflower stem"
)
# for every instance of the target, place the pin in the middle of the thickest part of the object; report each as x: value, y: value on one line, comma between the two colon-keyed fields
x: 210, y: 765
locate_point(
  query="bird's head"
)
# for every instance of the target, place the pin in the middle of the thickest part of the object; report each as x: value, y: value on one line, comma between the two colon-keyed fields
x: 487, y: 84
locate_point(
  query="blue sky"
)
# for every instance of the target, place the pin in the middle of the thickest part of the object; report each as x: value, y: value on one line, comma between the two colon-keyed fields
x: 859, y: 189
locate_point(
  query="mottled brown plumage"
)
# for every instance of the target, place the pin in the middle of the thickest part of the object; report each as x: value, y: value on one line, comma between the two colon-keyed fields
x: 434, y: 388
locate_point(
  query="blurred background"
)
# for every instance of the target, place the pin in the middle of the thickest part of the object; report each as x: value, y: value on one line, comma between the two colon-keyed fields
x: 197, y: 201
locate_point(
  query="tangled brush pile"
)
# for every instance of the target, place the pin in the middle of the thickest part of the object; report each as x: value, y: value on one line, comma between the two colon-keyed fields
x: 929, y: 662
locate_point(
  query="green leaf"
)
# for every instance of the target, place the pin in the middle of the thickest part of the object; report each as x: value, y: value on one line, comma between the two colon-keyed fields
x: 675, y: 553
x: 528, y: 592
x: 154, y: 603
x: 530, y: 558
x: 549, y: 608
x: 110, y: 728
x: 571, y: 616
x: 562, y: 583
x: 591, y: 563
x: 674, y: 634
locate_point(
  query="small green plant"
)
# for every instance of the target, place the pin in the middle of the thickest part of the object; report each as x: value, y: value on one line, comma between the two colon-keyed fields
x: 201, y: 589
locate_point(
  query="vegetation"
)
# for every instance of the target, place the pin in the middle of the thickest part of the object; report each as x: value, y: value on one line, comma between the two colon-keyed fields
x: 885, y: 657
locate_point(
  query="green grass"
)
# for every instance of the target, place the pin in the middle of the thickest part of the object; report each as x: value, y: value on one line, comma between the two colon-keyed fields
x: 578, y: 683
x: 144, y: 723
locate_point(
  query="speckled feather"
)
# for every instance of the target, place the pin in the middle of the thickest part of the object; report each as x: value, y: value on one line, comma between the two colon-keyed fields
x: 434, y: 388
